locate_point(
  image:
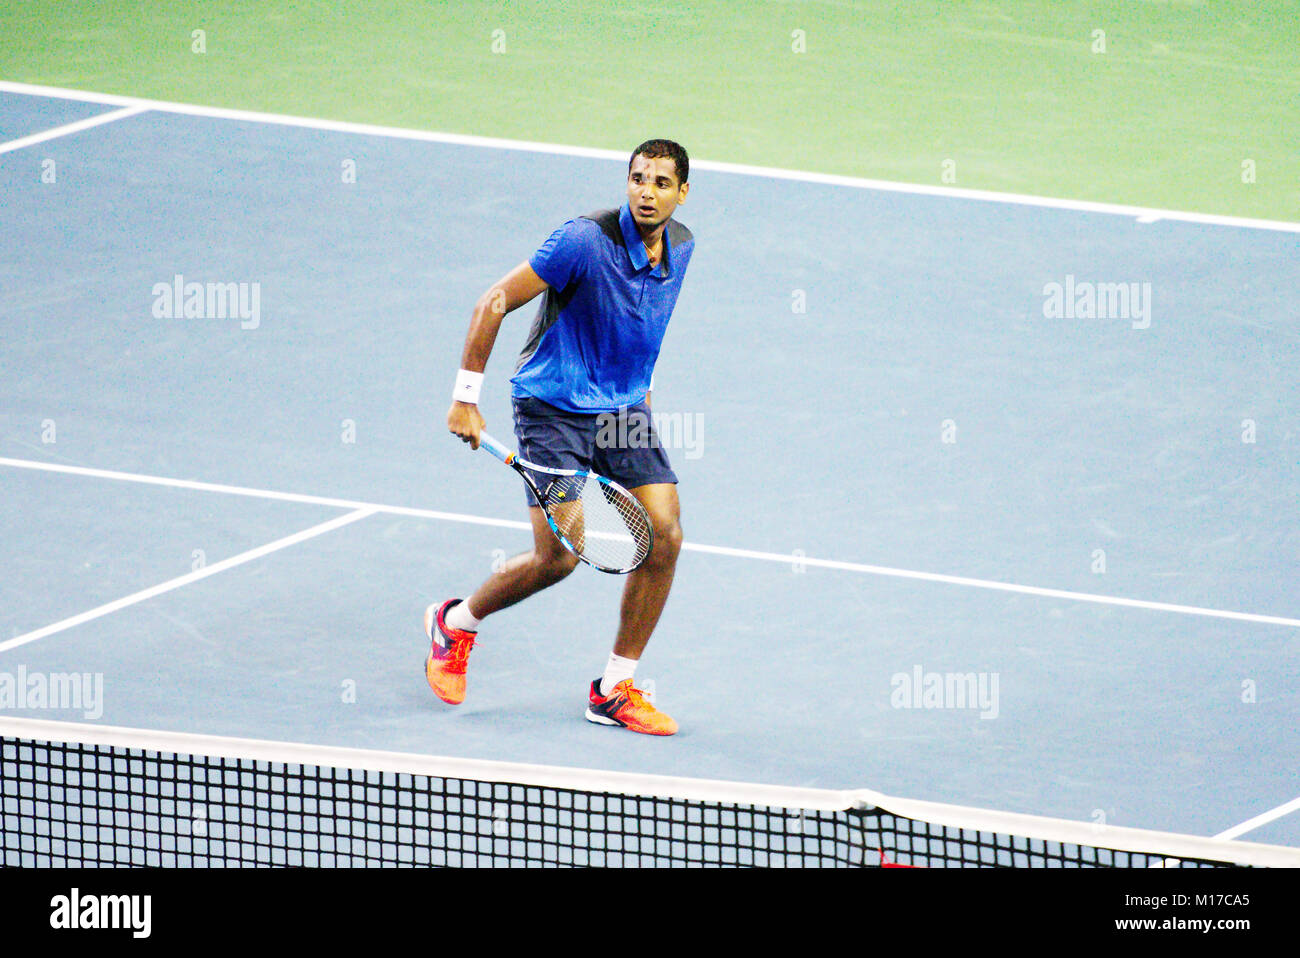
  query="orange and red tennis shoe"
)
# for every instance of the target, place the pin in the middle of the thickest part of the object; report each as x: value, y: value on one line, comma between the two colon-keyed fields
x: 448, y: 654
x: 627, y: 706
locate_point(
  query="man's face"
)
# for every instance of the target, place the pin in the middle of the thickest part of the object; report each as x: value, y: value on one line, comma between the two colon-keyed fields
x: 653, y: 191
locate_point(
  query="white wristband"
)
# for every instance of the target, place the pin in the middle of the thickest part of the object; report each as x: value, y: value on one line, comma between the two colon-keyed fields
x: 468, y: 385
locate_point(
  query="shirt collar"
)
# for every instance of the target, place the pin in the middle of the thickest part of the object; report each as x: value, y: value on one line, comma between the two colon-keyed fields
x: 636, y: 248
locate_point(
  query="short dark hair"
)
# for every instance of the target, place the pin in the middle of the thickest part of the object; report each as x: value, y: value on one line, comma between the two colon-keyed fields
x: 653, y: 149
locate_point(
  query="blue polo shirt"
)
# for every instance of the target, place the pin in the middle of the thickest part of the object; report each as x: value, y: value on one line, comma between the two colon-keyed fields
x: 596, y: 336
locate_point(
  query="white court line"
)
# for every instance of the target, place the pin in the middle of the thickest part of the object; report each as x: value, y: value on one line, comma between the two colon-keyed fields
x: 1262, y: 819
x: 195, y: 576
x: 999, y: 586
x: 1145, y: 214
x: 67, y: 128
x: 262, y: 493
x: 783, y: 558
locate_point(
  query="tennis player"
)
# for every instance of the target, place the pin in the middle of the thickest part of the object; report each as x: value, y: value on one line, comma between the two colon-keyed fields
x: 581, y: 394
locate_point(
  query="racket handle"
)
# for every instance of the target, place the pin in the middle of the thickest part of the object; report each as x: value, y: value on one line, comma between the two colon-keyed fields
x: 491, y: 445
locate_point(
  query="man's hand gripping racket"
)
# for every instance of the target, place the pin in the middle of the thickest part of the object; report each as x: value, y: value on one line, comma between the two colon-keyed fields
x: 595, y: 518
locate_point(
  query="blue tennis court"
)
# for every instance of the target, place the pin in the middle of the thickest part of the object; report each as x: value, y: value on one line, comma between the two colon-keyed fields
x: 898, y: 465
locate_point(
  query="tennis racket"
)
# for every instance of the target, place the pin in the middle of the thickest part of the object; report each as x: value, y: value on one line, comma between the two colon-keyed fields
x: 595, y: 518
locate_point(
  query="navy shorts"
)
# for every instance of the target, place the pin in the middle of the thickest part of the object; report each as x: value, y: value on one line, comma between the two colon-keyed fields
x: 622, y: 446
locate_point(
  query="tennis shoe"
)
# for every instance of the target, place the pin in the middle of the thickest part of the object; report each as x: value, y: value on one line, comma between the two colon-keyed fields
x: 448, y: 654
x: 628, y: 707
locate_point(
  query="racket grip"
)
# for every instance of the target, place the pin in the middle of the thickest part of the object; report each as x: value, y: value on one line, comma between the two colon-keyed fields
x: 491, y: 445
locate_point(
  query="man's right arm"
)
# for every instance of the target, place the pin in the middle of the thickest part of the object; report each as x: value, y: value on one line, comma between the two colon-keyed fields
x: 513, y: 290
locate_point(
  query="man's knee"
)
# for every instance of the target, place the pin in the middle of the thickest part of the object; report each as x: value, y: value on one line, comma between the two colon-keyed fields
x: 555, y: 564
x: 668, y: 539
x: 551, y: 560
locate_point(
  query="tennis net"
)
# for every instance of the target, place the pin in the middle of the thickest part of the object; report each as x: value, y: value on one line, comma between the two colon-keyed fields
x: 75, y: 795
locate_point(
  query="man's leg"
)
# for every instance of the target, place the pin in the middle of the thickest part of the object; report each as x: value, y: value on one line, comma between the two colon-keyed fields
x: 646, y: 589
x: 614, y: 699
x: 526, y: 573
x: 451, y: 626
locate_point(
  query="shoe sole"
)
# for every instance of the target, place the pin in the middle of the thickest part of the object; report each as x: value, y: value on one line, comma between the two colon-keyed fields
x: 429, y: 682
x: 603, y: 719
x: 599, y: 719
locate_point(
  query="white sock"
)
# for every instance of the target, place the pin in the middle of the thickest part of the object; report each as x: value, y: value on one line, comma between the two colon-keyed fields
x: 460, y: 617
x: 616, y: 670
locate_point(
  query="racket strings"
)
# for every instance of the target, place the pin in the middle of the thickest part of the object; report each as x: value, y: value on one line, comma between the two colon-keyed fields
x: 605, y: 525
